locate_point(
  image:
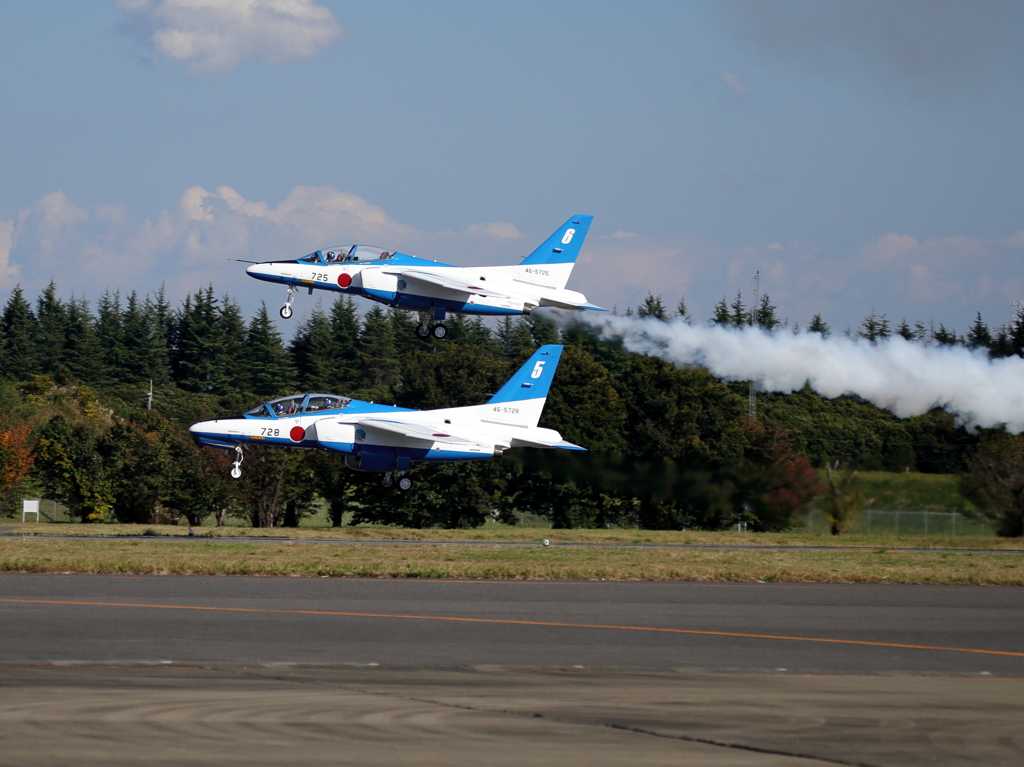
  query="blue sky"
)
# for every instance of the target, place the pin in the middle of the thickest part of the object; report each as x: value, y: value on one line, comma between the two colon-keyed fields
x: 860, y: 155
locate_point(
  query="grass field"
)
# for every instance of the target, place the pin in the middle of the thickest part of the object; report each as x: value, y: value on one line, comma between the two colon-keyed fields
x: 491, y: 532
x: 221, y: 556
x: 889, y: 559
x: 911, y: 491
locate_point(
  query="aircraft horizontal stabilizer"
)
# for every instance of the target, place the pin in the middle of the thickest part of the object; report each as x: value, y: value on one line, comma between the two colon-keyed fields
x: 429, y: 432
x: 562, y: 444
x: 569, y: 305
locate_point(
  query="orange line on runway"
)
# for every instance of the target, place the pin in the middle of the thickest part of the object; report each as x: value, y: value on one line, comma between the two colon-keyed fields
x: 504, y: 621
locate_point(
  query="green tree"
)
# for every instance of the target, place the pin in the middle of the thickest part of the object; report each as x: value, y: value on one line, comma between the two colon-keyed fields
x: 818, y: 325
x: 452, y: 376
x: 273, y: 478
x: 653, y: 307
x: 844, y: 498
x: 230, y: 375
x: 874, y: 328
x: 765, y: 314
x: 19, y: 328
x: 681, y: 311
x: 774, y: 481
x: 738, y: 313
x: 77, y: 465
x: 722, y: 316
x: 264, y: 357
x: 514, y: 337
x: 944, y: 337
x: 378, y: 357
x: 979, y: 336
x: 198, y: 343
x: 84, y: 352
x: 51, y: 314
x: 994, y: 481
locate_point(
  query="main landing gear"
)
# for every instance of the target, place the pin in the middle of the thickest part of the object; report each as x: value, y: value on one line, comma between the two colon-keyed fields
x: 236, y: 467
x: 404, y: 483
x: 286, y: 310
x: 425, y: 330
x: 432, y: 323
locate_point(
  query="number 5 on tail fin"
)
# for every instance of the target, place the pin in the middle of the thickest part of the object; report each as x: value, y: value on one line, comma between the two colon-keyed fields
x: 521, y: 400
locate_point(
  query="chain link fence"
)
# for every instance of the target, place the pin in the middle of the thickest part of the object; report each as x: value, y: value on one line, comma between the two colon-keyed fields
x: 899, y: 522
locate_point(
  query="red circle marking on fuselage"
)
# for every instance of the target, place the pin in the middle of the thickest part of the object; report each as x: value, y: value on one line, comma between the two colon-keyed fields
x: 344, y: 280
x: 297, y: 434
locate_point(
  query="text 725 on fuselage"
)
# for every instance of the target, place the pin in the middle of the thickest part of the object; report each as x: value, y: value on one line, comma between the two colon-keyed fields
x: 434, y: 289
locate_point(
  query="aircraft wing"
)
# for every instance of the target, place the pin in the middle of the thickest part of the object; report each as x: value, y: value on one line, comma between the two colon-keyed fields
x: 443, y: 281
x: 428, y: 432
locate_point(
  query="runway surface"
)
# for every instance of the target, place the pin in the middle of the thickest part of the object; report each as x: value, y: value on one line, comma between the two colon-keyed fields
x: 223, y: 670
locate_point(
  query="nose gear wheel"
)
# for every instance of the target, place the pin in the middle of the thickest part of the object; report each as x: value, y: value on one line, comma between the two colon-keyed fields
x: 286, y: 310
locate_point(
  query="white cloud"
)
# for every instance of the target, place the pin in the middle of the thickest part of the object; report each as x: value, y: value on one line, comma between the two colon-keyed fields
x: 1015, y: 240
x: 8, y: 272
x: 734, y: 82
x: 501, y: 229
x: 217, y: 35
x: 190, y: 244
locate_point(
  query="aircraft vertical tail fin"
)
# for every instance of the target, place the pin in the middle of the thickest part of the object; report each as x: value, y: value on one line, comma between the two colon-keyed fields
x: 551, y: 264
x: 520, y: 401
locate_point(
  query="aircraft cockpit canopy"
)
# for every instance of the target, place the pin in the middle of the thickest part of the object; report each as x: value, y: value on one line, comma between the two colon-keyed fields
x: 300, y: 404
x: 344, y: 254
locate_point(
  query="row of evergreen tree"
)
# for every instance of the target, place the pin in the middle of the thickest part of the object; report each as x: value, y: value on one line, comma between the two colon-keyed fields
x: 1004, y: 341
x: 669, y: 447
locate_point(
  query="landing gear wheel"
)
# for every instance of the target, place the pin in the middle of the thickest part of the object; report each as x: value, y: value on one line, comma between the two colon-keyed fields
x: 404, y: 483
x: 423, y: 330
x: 236, y: 473
x: 386, y: 480
x: 440, y: 331
x: 236, y: 467
x: 286, y: 310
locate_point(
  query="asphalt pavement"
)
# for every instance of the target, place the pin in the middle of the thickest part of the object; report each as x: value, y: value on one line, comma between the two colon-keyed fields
x: 219, y: 670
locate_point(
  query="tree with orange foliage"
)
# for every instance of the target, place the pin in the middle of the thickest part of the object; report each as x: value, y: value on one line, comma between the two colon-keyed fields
x: 775, y: 480
x: 16, y: 457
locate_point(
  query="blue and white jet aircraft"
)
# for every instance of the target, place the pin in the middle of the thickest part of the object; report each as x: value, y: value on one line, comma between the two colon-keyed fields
x: 434, y: 289
x: 385, y: 439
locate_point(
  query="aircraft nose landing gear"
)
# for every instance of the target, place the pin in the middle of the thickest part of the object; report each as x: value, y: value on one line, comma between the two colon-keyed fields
x: 236, y: 467
x: 286, y: 310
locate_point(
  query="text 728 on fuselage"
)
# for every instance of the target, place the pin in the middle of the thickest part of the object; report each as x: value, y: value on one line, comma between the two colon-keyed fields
x: 385, y: 439
x: 434, y: 289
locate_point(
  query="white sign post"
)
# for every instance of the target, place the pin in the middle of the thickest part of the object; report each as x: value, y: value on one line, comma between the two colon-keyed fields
x: 29, y: 506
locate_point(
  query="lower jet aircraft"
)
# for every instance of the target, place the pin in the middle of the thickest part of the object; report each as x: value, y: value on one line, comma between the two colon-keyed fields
x: 434, y: 289
x: 384, y: 439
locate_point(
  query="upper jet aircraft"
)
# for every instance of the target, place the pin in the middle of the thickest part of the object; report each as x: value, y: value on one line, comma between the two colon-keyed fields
x: 435, y: 289
x: 386, y: 439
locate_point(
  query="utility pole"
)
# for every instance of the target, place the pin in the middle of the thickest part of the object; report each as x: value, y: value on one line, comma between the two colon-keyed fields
x: 752, y: 399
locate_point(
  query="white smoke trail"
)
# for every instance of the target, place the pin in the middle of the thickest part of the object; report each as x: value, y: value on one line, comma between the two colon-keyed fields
x: 903, y: 377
